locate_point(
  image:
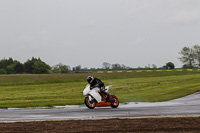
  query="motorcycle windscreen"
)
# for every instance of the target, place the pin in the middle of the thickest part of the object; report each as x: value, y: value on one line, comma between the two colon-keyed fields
x: 107, y: 88
x: 95, y: 94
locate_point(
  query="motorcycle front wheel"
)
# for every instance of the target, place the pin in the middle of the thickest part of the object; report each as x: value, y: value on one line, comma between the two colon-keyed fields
x: 115, y: 102
x: 90, y: 104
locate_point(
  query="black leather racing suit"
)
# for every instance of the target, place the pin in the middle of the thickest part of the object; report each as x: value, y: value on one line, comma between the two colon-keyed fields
x: 97, y: 83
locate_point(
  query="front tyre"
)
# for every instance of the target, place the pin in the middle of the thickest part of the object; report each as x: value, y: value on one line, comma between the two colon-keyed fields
x: 114, y: 102
x: 90, y: 104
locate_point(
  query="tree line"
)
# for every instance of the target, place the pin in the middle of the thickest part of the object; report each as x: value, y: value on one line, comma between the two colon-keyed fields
x: 190, y: 57
x: 108, y: 66
x: 37, y: 66
x: 34, y: 66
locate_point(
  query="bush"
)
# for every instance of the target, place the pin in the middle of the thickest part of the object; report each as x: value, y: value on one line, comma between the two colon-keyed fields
x: 2, y: 71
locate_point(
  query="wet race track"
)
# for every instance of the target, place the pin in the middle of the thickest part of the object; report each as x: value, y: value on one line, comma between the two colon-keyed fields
x: 189, y: 105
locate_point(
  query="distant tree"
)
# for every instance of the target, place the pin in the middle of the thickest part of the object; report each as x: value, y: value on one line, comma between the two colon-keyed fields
x: 60, y: 68
x: 28, y: 65
x: 196, y: 49
x: 55, y: 69
x: 93, y: 69
x: 77, y: 68
x: 11, y: 66
x: 64, y: 69
x: 41, y: 67
x: 116, y: 66
x: 106, y: 65
x: 4, y: 63
x: 85, y: 68
x: 186, y: 66
x: 188, y: 57
x: 164, y: 67
x: 170, y: 65
x: 124, y: 67
x: 18, y: 67
x: 10, y: 69
x: 2, y: 71
x: 154, y: 66
x: 36, y: 66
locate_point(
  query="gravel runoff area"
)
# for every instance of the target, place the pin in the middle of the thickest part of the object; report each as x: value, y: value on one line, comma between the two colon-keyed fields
x: 175, y: 124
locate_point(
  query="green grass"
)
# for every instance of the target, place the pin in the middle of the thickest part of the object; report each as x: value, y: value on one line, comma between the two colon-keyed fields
x: 28, y: 90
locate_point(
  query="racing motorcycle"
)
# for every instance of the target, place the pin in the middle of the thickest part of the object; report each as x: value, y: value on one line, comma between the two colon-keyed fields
x: 95, y: 98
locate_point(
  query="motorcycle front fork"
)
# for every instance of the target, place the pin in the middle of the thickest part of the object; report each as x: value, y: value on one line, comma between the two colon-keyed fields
x: 91, y: 98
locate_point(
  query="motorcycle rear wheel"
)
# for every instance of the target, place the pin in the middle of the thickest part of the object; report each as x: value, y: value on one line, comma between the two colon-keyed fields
x: 115, y: 103
x: 89, y: 104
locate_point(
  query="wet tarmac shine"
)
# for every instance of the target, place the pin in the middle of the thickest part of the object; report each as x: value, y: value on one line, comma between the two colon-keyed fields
x: 189, y: 105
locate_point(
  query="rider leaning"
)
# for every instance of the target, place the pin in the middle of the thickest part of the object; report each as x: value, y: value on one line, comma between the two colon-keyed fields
x: 95, y: 82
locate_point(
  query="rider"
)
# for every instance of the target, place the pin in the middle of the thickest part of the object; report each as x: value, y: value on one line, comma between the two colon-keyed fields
x: 95, y: 82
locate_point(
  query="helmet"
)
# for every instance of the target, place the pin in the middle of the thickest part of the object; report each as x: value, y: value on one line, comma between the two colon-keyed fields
x: 90, y: 79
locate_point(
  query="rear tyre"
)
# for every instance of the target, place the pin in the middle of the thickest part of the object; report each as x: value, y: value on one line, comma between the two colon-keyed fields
x: 90, y: 104
x: 114, y: 102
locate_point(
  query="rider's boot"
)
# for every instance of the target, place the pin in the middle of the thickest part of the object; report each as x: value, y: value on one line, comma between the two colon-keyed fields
x: 108, y: 98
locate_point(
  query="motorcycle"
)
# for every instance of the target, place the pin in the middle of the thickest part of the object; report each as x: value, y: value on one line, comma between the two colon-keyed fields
x: 95, y: 98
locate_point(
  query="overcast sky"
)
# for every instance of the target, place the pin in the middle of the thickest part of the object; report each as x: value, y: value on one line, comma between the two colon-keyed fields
x: 90, y: 32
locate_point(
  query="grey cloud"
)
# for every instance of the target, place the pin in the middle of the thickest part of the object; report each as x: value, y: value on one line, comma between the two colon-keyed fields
x: 131, y: 32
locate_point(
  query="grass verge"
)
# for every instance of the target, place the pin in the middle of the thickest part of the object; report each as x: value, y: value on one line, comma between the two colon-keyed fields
x: 66, y: 89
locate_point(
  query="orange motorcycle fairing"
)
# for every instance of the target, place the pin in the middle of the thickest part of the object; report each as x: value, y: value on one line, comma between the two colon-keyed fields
x: 102, y: 103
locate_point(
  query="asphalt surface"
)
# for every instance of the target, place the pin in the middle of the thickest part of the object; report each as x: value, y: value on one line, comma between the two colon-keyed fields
x: 189, y: 105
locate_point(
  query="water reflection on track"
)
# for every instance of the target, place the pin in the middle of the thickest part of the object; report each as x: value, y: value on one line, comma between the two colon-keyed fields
x: 189, y: 105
